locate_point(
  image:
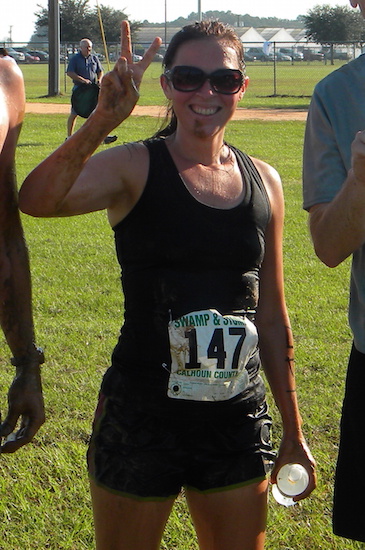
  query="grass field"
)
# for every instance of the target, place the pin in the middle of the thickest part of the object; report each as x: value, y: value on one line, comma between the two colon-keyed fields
x: 78, y: 310
x: 292, y: 84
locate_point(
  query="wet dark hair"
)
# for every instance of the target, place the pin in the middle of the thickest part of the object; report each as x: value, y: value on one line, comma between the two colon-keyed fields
x: 201, y: 30
x: 3, y: 51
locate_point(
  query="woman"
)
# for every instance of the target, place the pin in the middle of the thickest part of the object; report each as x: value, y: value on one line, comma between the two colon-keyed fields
x: 196, y: 224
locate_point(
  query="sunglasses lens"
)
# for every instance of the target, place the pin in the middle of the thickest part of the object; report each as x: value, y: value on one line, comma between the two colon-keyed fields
x: 226, y: 81
x: 187, y: 79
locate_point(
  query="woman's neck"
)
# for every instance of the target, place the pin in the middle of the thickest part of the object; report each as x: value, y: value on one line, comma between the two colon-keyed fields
x: 190, y: 151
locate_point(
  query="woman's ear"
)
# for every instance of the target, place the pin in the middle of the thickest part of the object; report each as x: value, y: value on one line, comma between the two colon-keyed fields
x: 166, y: 86
x: 242, y: 91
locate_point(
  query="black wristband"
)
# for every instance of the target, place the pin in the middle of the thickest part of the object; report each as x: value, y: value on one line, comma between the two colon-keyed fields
x: 26, y: 359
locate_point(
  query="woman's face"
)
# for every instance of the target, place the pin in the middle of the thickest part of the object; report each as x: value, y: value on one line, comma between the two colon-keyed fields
x: 204, y: 111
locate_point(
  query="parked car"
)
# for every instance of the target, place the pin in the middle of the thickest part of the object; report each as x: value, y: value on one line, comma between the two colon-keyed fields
x: 294, y: 55
x: 341, y: 55
x: 280, y: 56
x: 337, y: 54
x: 158, y: 57
x: 29, y: 58
x: 113, y: 56
x: 254, y: 54
x: 258, y: 53
x: 18, y: 56
x: 249, y: 56
x: 311, y: 55
x: 43, y: 56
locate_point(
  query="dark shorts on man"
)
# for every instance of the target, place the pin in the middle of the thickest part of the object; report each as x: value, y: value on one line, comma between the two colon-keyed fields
x: 348, y: 507
x: 144, y: 454
x: 84, y: 99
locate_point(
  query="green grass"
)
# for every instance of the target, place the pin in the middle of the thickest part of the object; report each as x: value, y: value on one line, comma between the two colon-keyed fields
x: 291, y: 87
x: 78, y: 310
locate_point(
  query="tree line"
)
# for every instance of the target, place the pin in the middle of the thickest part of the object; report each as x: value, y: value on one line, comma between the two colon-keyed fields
x: 324, y: 24
x: 78, y: 20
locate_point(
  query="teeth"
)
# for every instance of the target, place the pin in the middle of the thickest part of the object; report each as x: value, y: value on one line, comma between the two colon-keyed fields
x: 205, y: 110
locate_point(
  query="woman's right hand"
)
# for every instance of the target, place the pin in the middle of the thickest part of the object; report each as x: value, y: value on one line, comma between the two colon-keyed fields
x: 67, y: 183
x: 119, y: 91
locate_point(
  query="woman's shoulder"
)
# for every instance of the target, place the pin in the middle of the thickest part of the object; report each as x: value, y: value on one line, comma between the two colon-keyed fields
x: 128, y: 161
x: 154, y: 143
x: 133, y: 151
x: 138, y: 149
x: 267, y: 171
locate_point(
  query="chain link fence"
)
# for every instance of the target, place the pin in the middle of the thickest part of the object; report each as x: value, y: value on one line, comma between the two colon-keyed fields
x: 276, y: 69
x: 293, y: 69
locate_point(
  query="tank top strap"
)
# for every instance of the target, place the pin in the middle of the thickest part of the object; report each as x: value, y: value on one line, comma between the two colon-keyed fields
x: 251, y: 174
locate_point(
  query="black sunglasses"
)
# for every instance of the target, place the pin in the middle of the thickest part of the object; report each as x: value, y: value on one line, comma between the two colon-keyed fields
x: 190, y: 79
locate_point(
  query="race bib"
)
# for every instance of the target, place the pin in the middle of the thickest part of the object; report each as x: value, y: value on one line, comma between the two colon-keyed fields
x: 209, y: 353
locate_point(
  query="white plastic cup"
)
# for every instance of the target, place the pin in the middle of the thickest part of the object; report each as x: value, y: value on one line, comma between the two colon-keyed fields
x: 292, y: 480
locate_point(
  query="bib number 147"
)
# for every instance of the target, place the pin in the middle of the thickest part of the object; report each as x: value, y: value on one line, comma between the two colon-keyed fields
x: 217, y: 349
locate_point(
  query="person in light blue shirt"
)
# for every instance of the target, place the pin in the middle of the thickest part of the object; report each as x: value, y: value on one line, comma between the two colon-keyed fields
x: 334, y: 195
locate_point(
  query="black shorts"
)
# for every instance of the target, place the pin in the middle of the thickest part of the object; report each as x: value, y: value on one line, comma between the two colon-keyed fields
x: 149, y: 455
x: 348, y: 507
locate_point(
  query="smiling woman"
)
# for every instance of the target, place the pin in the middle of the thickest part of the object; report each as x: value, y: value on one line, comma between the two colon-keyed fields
x: 198, y: 232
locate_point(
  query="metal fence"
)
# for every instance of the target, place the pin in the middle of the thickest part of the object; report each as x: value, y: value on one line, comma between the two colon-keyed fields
x: 278, y: 68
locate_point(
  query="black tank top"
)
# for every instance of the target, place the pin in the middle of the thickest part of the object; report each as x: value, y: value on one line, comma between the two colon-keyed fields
x: 178, y: 255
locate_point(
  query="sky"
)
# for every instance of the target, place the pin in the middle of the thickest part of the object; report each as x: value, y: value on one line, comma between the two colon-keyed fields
x: 17, y: 19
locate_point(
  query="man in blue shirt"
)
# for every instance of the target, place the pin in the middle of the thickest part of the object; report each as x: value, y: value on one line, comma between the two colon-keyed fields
x: 84, y: 68
x: 334, y: 195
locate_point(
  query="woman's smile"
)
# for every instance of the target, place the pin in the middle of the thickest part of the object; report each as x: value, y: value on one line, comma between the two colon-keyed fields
x: 204, y: 111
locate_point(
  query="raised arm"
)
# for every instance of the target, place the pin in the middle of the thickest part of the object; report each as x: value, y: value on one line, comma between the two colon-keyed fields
x: 275, y: 336
x: 46, y: 189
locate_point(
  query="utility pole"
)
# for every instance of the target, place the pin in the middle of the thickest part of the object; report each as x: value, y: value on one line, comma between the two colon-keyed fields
x: 54, y: 48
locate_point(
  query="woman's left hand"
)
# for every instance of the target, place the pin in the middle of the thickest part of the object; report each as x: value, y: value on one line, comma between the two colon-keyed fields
x: 296, y: 451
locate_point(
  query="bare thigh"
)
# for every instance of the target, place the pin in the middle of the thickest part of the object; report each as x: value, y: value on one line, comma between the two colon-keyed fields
x: 230, y: 520
x: 126, y: 524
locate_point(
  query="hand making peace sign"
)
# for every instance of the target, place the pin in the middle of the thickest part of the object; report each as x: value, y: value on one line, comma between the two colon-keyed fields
x: 119, y: 88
